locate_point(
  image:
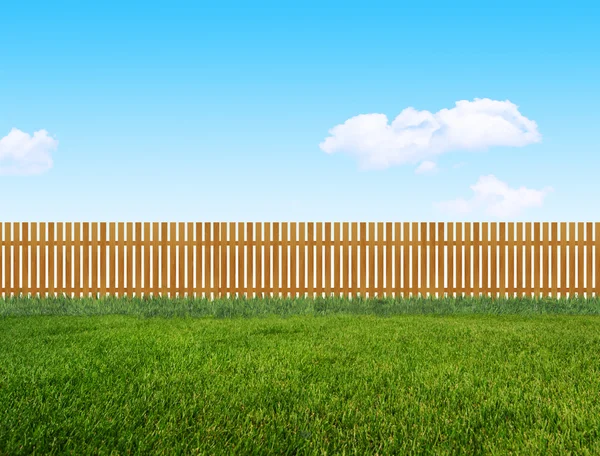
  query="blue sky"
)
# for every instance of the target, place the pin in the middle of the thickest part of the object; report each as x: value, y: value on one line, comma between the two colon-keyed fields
x: 228, y: 111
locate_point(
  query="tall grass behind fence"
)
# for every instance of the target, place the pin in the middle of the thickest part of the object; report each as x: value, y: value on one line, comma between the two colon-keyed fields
x: 213, y: 259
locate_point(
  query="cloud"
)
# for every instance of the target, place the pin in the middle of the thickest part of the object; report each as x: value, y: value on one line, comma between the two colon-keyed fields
x: 497, y: 198
x: 22, y: 154
x: 416, y: 135
x: 426, y: 167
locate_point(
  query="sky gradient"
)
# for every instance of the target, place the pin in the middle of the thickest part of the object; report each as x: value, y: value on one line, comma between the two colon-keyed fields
x: 324, y: 111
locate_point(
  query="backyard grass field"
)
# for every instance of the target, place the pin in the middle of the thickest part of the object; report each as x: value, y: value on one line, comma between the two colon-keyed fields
x: 302, y: 376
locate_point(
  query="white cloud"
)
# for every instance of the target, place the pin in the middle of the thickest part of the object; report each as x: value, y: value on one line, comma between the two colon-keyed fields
x: 497, y: 198
x: 21, y: 153
x: 416, y: 135
x: 426, y: 167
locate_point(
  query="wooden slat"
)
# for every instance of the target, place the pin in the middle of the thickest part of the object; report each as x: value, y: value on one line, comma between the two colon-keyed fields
x: 422, y: 288
x: 60, y: 255
x: 146, y: 289
x: 43, y: 255
x: 554, y: 258
x: 442, y: 267
x: 207, y: 246
x: 359, y: 258
x: 397, y: 258
x: 223, y: 241
x: 380, y: 246
x: 285, y: 245
x: 460, y: 249
x: 155, y: 259
x: 371, y: 244
x: 597, y: 268
x: 127, y: 251
x: 537, y: 259
x: 86, y: 259
x: 345, y: 259
x: 545, y: 287
x: 241, y: 254
x: 164, y: 259
x: 354, y: 265
x: 293, y: 259
x: 478, y: 270
x: 319, y: 258
x: 502, y: 259
x: 520, y: 248
x: 259, y: 261
x: 301, y: 231
x: 8, y: 258
x: 511, y: 260
x: 231, y: 271
x: 389, y: 254
x: 414, y: 241
x: 276, y: 258
x: 337, y: 276
x: 450, y: 259
x: 588, y: 259
x: 328, y: 288
x: 138, y: 243
x: 310, y: 258
x: 406, y: 257
x: 493, y: 282
x: 103, y: 258
x: 431, y: 244
x: 121, y: 277
x: 571, y: 243
x: 469, y: 287
x: 267, y: 258
x: 33, y: 260
x: 24, y: 258
x: 580, y: 257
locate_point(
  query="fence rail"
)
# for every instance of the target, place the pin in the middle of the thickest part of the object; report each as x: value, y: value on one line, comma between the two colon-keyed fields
x: 297, y: 258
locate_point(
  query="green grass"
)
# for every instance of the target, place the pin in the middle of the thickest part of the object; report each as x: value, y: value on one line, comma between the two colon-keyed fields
x: 416, y: 376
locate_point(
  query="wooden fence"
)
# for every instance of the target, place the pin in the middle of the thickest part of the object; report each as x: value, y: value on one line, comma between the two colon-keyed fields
x: 256, y: 259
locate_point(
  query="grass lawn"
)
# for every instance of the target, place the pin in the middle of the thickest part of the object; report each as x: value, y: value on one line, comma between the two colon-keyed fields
x: 304, y: 376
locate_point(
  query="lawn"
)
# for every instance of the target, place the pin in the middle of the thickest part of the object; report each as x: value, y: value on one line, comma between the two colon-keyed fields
x: 304, y: 376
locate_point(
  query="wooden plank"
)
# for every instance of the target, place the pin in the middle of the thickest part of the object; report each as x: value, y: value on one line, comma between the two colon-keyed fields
x: 126, y: 252
x: 259, y: 261
x: 276, y: 258
x: 86, y: 259
x: 372, y: 244
x: 563, y: 259
x: 112, y: 259
x: 493, y: 283
x: 8, y: 258
x: 597, y: 252
x: 346, y: 258
x: 2, y: 257
x: 336, y: 259
x: 397, y: 259
x: 77, y: 259
x: 120, y: 273
x: 389, y: 254
x: 502, y: 259
x: 33, y: 260
x: 359, y: 256
x: 69, y: 258
x: 189, y: 260
x: 354, y: 259
x: 414, y: 247
x: 450, y: 259
x: 380, y: 252
x: 145, y: 289
x: 24, y: 288
x: 588, y: 259
x: 520, y: 248
x: 155, y: 259
x: 442, y: 267
x: 285, y: 245
x: 580, y: 258
x: 310, y: 258
x: 209, y: 272
x: 431, y: 244
x: 319, y: 257
x: 545, y: 287
x: 103, y: 258
x: 478, y: 269
x: 554, y: 259
x: 43, y: 268
x: 511, y: 259
x: 536, y: 262
x: 231, y: 279
x: 267, y: 258
x: 249, y: 229
x: 164, y: 259
x: 328, y: 243
x: 293, y: 259
x: 139, y: 242
x: 406, y: 258
x: 423, y: 257
x: 468, y: 263
x: 572, y: 246
x: 60, y: 258
x: 178, y: 258
x: 16, y: 267
x: 302, y: 259
x: 241, y: 255
x: 460, y: 254
x: 223, y: 241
